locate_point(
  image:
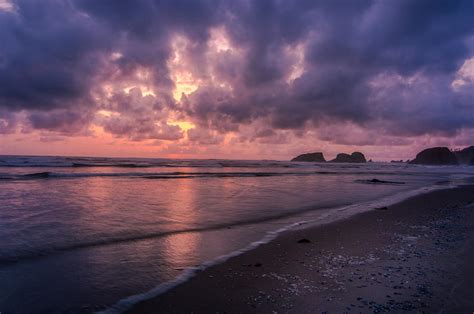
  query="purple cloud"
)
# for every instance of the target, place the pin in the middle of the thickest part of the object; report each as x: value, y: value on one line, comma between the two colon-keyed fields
x: 284, y: 65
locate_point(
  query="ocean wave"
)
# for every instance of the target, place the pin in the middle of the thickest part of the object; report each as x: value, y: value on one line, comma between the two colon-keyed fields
x: 117, y: 165
x: 14, y: 257
x: 18, y: 256
x: 336, y: 214
x: 182, y: 174
x: 127, y: 303
x: 89, y: 162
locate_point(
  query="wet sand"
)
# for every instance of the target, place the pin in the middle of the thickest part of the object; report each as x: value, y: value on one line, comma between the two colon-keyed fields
x: 417, y: 256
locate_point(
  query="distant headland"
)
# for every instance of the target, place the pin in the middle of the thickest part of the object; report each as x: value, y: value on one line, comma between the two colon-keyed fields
x: 445, y: 156
x: 429, y: 156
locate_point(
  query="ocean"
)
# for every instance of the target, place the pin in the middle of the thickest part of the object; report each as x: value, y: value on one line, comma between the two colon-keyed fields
x: 87, y: 234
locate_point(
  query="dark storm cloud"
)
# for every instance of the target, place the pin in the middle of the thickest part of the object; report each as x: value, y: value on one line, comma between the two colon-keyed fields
x: 145, y: 28
x: 8, y: 122
x: 65, y: 121
x: 49, y: 55
x: 141, y: 128
x: 372, y: 63
x: 348, y: 46
x: 54, y: 52
x: 138, y: 117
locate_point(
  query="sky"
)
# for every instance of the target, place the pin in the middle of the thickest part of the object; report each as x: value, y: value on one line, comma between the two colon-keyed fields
x: 235, y: 79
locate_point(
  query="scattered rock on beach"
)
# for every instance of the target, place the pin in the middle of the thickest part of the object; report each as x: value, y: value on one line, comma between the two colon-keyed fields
x: 304, y: 241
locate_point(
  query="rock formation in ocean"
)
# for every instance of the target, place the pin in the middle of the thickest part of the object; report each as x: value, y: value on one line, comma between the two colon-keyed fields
x: 342, y: 158
x: 377, y: 181
x: 472, y: 161
x: 356, y: 157
x: 435, y: 156
x: 310, y: 157
x: 466, y: 155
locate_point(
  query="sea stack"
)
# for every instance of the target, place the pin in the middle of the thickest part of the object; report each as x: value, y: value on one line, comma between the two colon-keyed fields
x: 310, y: 157
x: 465, y: 156
x: 435, y: 156
x: 355, y: 157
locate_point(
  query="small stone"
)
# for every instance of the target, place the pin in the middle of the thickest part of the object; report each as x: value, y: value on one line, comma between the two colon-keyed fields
x: 304, y: 241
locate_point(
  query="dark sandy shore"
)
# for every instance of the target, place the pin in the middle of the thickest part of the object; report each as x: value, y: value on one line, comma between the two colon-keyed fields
x: 417, y: 256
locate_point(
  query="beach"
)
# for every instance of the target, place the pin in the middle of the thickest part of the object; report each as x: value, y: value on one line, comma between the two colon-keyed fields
x: 215, y: 156
x: 412, y: 256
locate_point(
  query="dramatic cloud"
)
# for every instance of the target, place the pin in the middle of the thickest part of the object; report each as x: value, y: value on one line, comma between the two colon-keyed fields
x: 208, y: 72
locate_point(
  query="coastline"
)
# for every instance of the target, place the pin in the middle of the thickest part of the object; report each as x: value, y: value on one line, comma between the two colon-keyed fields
x: 379, y: 260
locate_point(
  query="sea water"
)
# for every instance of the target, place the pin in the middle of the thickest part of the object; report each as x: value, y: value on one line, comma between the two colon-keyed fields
x: 85, y: 234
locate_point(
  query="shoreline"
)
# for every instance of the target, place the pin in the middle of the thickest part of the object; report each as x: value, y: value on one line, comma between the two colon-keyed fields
x: 332, y: 215
x: 299, y: 280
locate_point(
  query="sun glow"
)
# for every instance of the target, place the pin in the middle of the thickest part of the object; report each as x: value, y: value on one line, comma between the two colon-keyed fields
x: 183, y: 125
x: 184, y: 81
x: 105, y: 113
x: 183, y: 85
x: 219, y: 40
x: 145, y: 90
